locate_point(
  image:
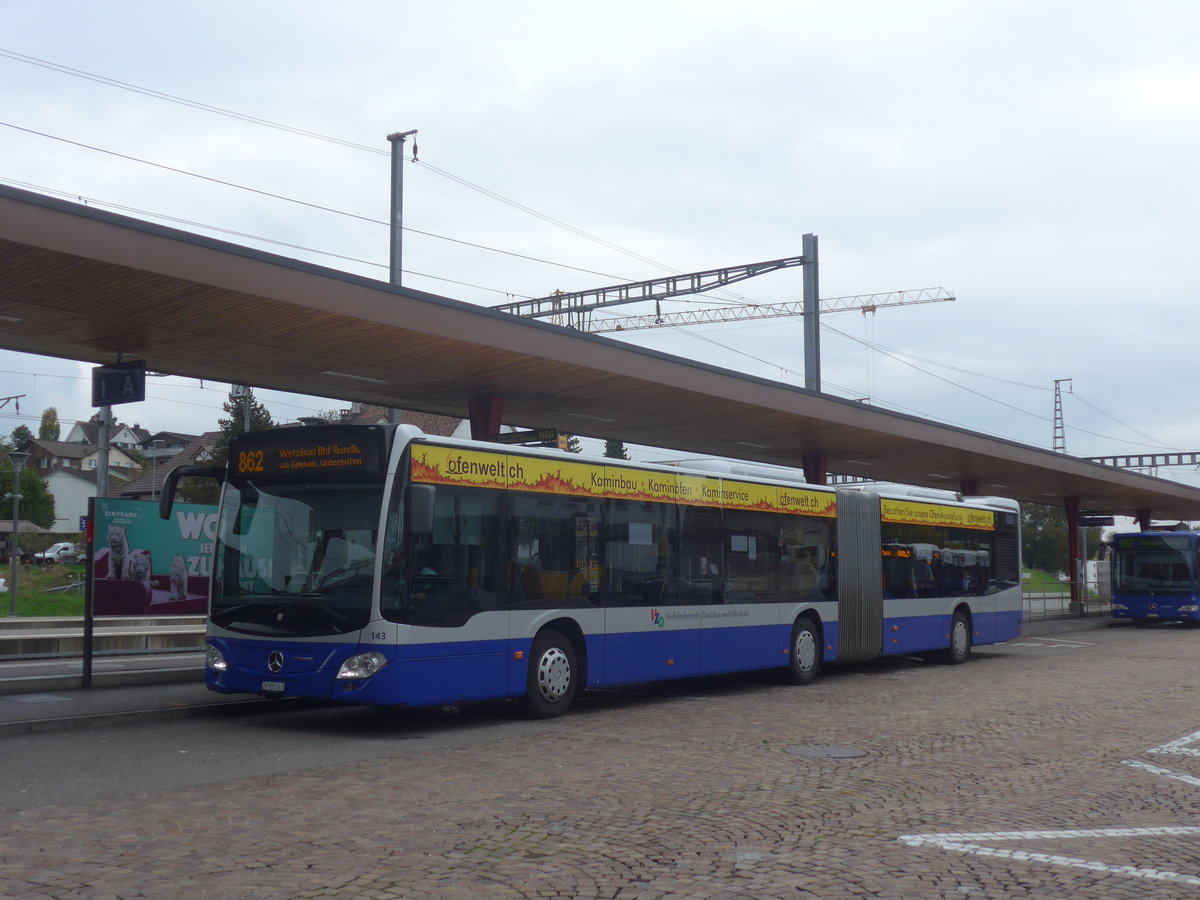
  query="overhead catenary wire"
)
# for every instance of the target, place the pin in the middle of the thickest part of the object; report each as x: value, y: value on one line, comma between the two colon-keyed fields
x: 259, y: 121
x: 199, y: 384
x: 305, y: 203
x: 243, y: 234
x: 302, y: 132
x: 1095, y: 408
x: 1044, y: 418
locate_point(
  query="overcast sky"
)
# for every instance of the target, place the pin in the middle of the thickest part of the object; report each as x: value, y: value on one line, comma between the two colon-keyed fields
x: 1034, y: 159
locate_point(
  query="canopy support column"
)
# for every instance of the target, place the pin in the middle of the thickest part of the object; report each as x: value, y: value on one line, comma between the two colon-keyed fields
x: 485, y: 417
x: 816, y: 468
x: 1077, y: 568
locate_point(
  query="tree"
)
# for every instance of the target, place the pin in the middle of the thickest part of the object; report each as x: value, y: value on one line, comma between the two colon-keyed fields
x: 615, y: 450
x: 241, y: 400
x: 49, y: 430
x: 236, y: 406
x: 37, y: 503
x: 21, y: 435
x: 574, y: 445
x: 1044, y: 538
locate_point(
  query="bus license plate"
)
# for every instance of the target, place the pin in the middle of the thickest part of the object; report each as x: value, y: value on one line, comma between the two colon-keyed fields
x: 276, y: 686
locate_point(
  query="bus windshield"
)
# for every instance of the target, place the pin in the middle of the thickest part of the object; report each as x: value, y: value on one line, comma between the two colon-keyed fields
x: 295, y: 560
x: 1149, y: 564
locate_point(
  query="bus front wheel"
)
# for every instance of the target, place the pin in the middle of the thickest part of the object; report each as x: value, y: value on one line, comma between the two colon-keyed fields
x: 553, y: 676
x: 804, y: 654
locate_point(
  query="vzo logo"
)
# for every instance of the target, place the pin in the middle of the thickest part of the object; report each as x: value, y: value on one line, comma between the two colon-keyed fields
x: 657, y: 618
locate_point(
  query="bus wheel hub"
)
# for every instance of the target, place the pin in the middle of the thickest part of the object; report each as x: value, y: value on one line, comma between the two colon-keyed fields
x: 554, y: 674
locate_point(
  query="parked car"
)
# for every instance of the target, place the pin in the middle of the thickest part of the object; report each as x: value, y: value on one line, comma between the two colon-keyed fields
x: 63, y: 551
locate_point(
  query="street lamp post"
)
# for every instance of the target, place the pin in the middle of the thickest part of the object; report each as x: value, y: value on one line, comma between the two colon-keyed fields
x: 16, y: 459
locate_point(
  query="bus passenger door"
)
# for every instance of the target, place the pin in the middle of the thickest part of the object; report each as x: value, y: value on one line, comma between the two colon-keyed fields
x: 859, y: 577
x: 650, y: 634
x: 458, y: 645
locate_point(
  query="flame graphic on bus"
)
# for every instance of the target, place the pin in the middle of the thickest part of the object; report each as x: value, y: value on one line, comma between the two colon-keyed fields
x: 657, y: 618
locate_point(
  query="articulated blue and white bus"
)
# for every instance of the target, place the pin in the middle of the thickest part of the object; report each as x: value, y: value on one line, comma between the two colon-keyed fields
x: 1154, y: 577
x: 373, y: 564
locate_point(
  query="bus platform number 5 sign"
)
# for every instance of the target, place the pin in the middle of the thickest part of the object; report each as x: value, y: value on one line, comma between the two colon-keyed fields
x: 119, y: 383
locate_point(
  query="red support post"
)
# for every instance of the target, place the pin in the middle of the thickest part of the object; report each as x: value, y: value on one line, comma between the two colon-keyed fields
x: 816, y: 468
x: 485, y: 417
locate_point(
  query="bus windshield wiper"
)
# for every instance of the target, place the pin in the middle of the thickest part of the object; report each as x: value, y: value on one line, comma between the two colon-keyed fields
x: 331, y: 614
x: 236, y: 610
x: 289, y: 614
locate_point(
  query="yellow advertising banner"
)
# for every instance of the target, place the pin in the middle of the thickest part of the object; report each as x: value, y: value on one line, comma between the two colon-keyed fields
x: 808, y: 503
x: 433, y: 464
x: 449, y: 465
x: 908, y: 512
x: 551, y: 476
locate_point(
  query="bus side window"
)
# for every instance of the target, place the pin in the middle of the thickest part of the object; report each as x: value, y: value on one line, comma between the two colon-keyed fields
x: 556, y: 549
x: 639, y: 553
x: 700, y: 555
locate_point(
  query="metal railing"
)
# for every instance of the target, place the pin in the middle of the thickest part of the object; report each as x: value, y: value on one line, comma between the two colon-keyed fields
x: 1095, y: 601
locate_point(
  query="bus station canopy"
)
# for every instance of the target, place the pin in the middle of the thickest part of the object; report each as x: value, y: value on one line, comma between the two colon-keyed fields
x: 85, y: 284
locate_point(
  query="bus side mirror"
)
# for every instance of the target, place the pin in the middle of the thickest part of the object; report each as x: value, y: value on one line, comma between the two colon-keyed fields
x: 418, y: 509
x: 167, y: 495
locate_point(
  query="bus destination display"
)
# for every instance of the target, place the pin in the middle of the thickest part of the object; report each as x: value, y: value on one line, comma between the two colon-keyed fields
x: 315, y: 453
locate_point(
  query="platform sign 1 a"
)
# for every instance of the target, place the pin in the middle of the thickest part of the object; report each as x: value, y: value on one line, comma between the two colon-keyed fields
x: 119, y: 383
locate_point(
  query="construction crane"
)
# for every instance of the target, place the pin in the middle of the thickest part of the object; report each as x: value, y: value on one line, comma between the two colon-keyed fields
x: 867, y: 303
x: 578, y: 305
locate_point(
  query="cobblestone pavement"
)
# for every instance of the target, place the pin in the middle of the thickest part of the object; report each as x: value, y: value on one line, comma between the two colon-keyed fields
x: 1051, y: 767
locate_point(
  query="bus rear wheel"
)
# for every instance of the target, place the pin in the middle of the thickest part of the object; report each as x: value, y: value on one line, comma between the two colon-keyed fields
x: 553, y: 676
x: 804, y: 653
x: 960, y: 640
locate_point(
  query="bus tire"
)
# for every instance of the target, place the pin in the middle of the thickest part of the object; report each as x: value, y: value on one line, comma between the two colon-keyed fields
x: 553, y: 676
x: 960, y: 640
x: 804, y: 652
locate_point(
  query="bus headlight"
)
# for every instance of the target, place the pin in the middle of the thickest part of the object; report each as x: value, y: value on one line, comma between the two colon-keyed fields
x: 364, y: 665
x: 1121, y: 606
x: 215, y: 659
x: 1189, y: 609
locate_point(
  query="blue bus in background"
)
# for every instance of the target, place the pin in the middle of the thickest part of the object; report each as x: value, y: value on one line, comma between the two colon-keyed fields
x: 1154, y: 577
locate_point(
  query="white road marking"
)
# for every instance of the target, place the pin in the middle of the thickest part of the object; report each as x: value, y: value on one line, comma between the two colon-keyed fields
x: 1181, y: 745
x: 979, y: 843
x: 967, y: 843
x: 1050, y: 644
x: 1158, y: 770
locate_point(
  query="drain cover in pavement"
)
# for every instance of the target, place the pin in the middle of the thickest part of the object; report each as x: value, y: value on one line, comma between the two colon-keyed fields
x: 825, y: 751
x: 37, y: 698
